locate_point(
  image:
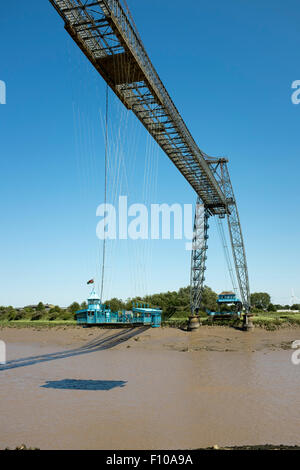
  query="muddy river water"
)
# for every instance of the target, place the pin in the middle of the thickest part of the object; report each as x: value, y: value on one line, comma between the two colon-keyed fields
x: 93, y: 395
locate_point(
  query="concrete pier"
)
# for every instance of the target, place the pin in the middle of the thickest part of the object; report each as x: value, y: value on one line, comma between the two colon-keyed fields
x: 247, y: 322
x: 194, y: 323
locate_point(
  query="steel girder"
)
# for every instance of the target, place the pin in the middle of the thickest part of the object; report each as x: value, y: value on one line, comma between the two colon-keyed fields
x: 108, y: 37
x: 199, y: 255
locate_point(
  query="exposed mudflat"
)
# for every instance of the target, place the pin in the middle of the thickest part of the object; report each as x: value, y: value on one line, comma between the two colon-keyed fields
x: 207, y: 338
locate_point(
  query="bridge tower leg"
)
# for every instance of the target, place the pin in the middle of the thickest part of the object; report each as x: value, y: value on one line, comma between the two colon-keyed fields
x: 198, y: 259
x: 238, y: 247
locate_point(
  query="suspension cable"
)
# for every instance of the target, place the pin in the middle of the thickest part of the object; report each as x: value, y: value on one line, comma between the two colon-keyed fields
x: 105, y: 191
x: 226, y: 254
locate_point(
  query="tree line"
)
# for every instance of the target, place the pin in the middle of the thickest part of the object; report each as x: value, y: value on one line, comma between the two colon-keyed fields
x: 173, y: 303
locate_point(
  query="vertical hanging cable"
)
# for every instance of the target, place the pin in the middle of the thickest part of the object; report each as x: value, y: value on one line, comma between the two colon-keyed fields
x: 105, y: 191
x: 227, y: 256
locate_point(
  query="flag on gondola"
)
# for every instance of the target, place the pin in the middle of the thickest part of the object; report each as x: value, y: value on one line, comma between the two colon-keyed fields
x: 91, y: 281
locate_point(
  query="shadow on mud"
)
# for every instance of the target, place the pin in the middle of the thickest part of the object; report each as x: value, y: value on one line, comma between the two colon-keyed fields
x: 72, y: 384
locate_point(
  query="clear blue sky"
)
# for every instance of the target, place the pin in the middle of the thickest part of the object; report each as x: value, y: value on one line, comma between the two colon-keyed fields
x: 228, y: 66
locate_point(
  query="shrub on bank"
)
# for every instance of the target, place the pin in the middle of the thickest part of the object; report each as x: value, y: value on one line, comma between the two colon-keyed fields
x: 53, y: 317
x: 37, y: 316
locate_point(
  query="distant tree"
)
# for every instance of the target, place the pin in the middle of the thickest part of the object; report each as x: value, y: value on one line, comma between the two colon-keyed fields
x: 28, y: 309
x: 209, y: 299
x: 3, y: 313
x: 128, y: 304
x: 260, y: 300
x: 74, y: 307
x: 272, y: 308
x: 83, y: 305
x: 40, y: 307
x: 8, y: 313
x: 12, y: 314
x: 115, y: 304
x: 295, y: 307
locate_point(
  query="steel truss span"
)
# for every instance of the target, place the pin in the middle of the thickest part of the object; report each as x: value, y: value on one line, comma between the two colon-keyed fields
x: 108, y: 37
x: 106, y: 33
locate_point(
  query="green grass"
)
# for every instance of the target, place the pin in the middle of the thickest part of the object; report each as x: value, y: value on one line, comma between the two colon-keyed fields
x: 36, y: 324
x: 266, y: 320
x: 273, y: 321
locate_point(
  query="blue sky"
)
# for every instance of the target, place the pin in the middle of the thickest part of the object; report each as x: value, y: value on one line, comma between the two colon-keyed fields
x: 228, y: 66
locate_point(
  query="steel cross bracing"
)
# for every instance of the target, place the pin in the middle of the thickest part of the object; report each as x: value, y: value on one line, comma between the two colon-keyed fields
x: 199, y: 257
x: 236, y: 236
x: 220, y: 169
x: 109, y: 39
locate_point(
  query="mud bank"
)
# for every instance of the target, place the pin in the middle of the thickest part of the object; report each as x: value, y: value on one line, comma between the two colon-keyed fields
x: 218, y: 338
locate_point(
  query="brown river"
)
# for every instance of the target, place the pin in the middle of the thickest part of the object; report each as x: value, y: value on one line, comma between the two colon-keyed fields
x: 148, y: 389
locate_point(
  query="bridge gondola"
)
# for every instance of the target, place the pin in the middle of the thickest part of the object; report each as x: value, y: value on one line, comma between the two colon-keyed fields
x: 98, y: 314
x: 233, y: 306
